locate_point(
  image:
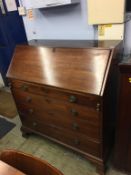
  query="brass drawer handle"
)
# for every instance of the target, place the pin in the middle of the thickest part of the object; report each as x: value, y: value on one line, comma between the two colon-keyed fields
x: 76, y: 142
x: 72, y: 99
x: 98, y: 107
x: 31, y: 111
x: 24, y: 87
x: 28, y: 99
x: 75, y: 126
x: 74, y: 112
x: 34, y: 124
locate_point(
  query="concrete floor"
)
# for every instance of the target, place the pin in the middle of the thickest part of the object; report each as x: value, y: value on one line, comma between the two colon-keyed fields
x: 63, y: 159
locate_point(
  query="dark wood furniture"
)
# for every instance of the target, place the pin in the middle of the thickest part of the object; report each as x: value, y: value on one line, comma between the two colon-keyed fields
x: 6, y: 169
x: 128, y: 5
x: 122, y: 158
x: 68, y: 94
x: 26, y: 163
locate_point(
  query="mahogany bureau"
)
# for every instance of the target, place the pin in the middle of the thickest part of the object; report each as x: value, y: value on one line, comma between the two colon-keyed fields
x: 68, y: 94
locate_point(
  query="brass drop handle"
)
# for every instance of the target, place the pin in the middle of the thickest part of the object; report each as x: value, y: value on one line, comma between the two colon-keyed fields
x: 28, y: 99
x: 75, y: 126
x: 98, y: 107
x: 72, y: 99
x: 24, y: 87
x: 31, y: 111
x: 76, y: 142
x: 34, y: 124
x: 74, y: 112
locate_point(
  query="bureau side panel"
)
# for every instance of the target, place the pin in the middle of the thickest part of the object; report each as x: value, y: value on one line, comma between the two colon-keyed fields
x: 110, y: 103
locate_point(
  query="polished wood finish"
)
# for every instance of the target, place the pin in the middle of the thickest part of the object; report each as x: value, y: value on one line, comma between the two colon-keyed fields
x: 55, y: 93
x: 53, y: 67
x: 68, y: 95
x: 122, y: 158
x: 26, y: 163
x: 6, y: 169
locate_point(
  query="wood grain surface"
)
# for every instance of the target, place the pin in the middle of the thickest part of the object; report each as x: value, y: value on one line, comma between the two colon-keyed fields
x: 81, y: 70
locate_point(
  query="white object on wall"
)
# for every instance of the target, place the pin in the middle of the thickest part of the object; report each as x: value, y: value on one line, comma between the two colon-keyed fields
x: 1, y: 81
x: 22, y: 11
x: 111, y: 32
x: 106, y: 11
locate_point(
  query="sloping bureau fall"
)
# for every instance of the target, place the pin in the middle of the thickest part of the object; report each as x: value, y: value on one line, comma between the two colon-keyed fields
x: 68, y: 95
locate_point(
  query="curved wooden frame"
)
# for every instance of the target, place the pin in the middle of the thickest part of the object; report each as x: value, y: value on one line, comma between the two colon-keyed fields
x: 27, y: 163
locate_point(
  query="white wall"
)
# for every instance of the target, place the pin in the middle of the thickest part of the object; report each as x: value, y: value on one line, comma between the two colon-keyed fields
x: 69, y: 22
x: 66, y: 23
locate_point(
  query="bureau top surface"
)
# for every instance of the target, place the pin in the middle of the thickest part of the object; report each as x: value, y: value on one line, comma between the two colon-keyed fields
x: 75, y: 69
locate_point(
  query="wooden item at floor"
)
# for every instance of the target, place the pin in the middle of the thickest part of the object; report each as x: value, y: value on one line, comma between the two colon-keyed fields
x: 6, y: 169
x: 122, y: 158
x: 68, y: 95
x: 27, y: 164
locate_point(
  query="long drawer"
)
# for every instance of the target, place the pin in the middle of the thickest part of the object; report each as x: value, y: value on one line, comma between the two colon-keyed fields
x: 62, y: 121
x: 54, y: 112
x: 71, y: 97
x: 54, y: 105
x: 65, y: 136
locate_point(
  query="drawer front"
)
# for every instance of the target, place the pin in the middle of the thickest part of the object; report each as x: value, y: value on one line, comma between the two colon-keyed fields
x: 60, y: 114
x: 72, y: 98
x: 61, y: 120
x: 55, y: 106
x: 75, y: 140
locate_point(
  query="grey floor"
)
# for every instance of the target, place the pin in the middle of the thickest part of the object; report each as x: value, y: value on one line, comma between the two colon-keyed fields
x: 63, y: 159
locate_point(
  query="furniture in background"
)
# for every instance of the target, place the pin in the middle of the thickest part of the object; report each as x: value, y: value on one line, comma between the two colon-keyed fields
x: 27, y: 164
x: 122, y: 158
x: 66, y: 92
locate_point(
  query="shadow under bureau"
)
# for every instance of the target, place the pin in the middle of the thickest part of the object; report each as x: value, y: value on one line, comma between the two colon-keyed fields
x: 68, y: 94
